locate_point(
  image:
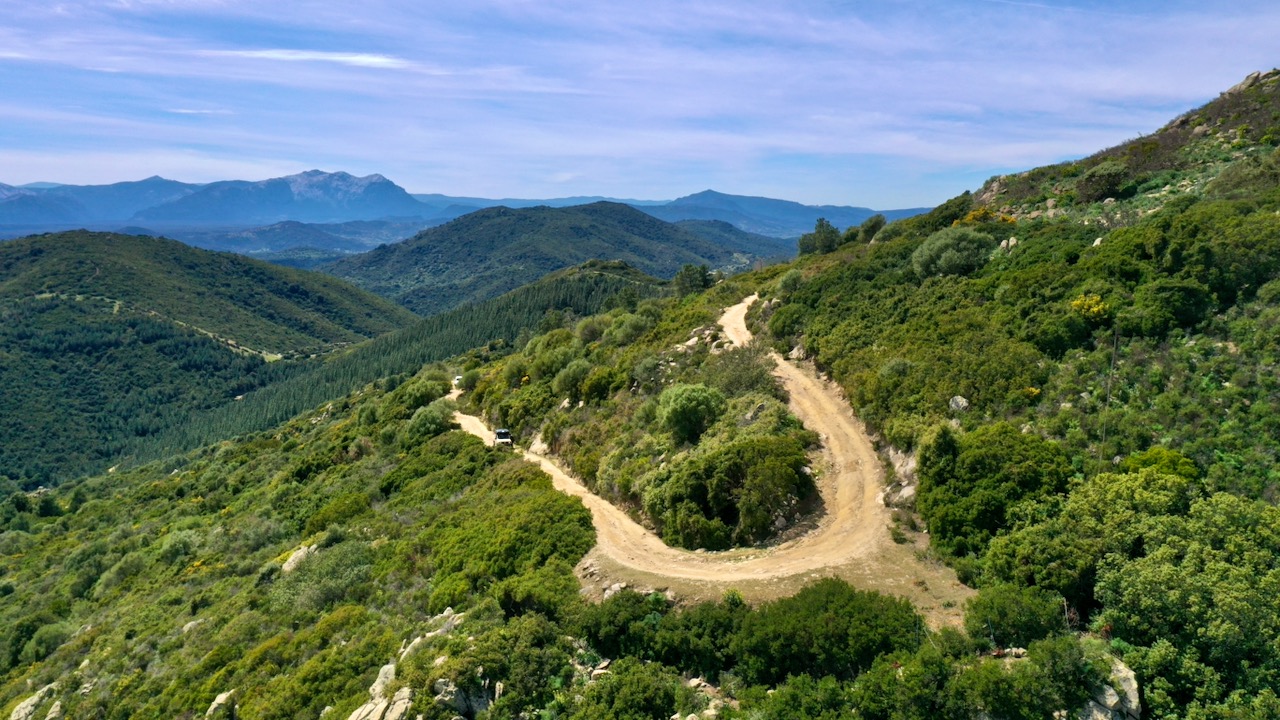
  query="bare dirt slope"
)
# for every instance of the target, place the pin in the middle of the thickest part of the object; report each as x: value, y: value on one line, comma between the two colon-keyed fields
x: 851, y: 539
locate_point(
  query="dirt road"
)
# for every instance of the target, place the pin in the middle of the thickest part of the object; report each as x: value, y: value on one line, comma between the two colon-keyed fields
x: 851, y: 539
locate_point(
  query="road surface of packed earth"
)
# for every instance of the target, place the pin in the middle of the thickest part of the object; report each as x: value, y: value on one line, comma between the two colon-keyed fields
x: 850, y: 538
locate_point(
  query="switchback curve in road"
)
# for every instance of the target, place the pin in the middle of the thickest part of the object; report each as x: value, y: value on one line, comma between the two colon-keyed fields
x: 850, y: 539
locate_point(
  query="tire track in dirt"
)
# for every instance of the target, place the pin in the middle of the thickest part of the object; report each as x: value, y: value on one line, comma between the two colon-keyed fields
x: 850, y: 540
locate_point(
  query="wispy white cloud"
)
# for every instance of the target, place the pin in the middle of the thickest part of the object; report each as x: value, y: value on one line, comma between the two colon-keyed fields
x: 102, y: 167
x: 1060, y: 7
x: 195, y: 111
x: 362, y: 60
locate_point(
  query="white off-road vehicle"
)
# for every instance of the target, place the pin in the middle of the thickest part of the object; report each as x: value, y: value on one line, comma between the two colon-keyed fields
x: 502, y: 438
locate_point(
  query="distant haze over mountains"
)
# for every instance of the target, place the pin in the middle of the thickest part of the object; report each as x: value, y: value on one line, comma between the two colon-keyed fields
x: 766, y: 216
x: 168, y: 206
x: 48, y: 204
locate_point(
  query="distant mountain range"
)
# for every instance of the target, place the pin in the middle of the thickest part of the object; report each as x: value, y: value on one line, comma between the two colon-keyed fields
x: 208, y: 215
x: 766, y: 216
x: 45, y: 204
x: 312, y: 196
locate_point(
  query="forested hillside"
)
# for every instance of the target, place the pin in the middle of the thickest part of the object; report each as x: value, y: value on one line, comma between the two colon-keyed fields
x: 489, y: 252
x: 261, y: 307
x: 1092, y: 410
x: 93, y: 384
x: 489, y: 328
x: 1077, y: 409
x: 109, y: 340
x: 287, y: 572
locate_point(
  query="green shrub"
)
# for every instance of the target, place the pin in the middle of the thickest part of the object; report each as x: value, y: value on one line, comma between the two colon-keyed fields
x: 788, y: 321
x: 739, y: 371
x: 1011, y: 616
x: 631, y: 691
x: 828, y: 628
x: 624, y: 624
x: 1164, y: 304
x: 337, y: 510
x: 969, y: 485
x: 697, y: 640
x: 179, y: 545
x: 45, y: 640
x: 568, y: 382
x: 601, y: 382
x: 1107, y: 179
x: 470, y: 379
x: 952, y: 251
x: 688, y: 410
x: 428, y: 422
x: 801, y: 697
x: 339, y: 574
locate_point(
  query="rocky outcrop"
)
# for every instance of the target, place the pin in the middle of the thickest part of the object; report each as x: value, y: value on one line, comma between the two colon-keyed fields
x: 1249, y: 81
x: 381, y: 707
x: 27, y: 708
x: 708, y: 335
x: 297, y: 557
x: 1117, y: 700
x: 448, y: 621
x: 226, y: 699
x: 396, y: 707
x: 467, y: 702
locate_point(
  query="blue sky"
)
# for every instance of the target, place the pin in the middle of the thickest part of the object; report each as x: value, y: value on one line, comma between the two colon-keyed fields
x: 884, y: 104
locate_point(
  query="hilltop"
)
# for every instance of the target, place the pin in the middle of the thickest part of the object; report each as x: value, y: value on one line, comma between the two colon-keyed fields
x: 1209, y: 150
x: 257, y: 305
x: 488, y: 252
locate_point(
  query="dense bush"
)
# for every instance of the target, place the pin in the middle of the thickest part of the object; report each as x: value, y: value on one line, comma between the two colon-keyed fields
x: 730, y: 493
x: 828, y: 628
x: 427, y: 422
x: 631, y: 691
x: 952, y: 251
x: 971, y: 486
x: 1107, y: 179
x: 1014, y: 616
x: 688, y: 410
